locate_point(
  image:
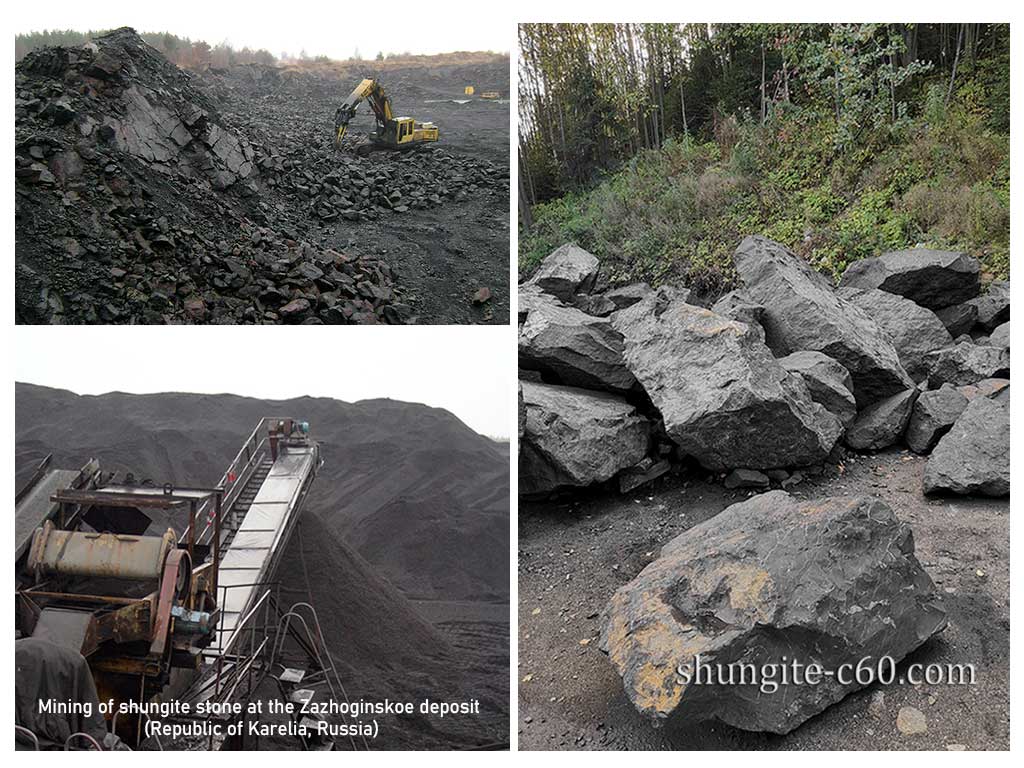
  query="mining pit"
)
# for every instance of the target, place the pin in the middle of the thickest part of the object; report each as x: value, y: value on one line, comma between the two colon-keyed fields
x: 146, y: 193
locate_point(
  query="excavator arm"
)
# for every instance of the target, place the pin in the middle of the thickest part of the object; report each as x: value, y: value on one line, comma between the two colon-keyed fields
x: 371, y: 91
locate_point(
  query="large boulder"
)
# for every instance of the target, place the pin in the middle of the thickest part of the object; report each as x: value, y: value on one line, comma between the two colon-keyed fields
x: 828, y: 382
x: 934, y: 414
x: 723, y: 398
x: 573, y: 437
x: 566, y: 271
x: 932, y: 279
x: 881, y: 424
x: 914, y: 330
x: 959, y: 318
x: 581, y: 350
x: 803, y: 313
x: 994, y: 305
x: 768, y: 581
x: 967, y: 363
x: 974, y: 456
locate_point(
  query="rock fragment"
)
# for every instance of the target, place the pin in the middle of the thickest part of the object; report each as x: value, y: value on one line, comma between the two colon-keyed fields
x: 911, y: 721
x: 746, y: 478
x: 628, y: 295
x: 566, y: 271
x: 828, y: 581
x: 881, y: 424
x: 932, y: 279
x: 984, y: 388
x: 737, y: 305
x: 579, y: 349
x: 974, y: 456
x: 934, y: 414
x: 1000, y: 336
x: 645, y: 472
x: 959, y: 318
x: 803, y: 313
x: 994, y: 305
x: 967, y: 363
x: 829, y: 383
x: 574, y: 438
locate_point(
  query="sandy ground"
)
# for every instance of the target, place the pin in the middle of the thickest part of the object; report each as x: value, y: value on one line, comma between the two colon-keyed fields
x: 574, y: 554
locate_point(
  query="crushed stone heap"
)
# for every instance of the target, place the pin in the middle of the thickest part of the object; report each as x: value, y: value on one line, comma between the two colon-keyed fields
x: 142, y: 198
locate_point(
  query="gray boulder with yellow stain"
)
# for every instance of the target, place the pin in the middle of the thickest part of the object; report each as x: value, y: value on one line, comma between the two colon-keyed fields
x: 767, y: 581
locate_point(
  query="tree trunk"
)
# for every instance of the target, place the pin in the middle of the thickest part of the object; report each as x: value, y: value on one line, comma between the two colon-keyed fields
x: 525, y: 213
x: 956, y: 61
x: 682, y: 106
x: 764, y: 105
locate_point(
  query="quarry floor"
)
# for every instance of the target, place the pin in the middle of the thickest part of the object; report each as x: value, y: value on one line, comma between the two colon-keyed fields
x: 443, y: 256
x: 574, y: 553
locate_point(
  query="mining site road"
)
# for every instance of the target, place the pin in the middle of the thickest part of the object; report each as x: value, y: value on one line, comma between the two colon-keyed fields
x: 573, y: 555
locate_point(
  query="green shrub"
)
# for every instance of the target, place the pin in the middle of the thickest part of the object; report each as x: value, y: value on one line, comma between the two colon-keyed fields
x: 677, y: 214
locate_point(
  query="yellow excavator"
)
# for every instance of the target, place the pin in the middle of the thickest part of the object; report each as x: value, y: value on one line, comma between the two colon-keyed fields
x: 391, y: 132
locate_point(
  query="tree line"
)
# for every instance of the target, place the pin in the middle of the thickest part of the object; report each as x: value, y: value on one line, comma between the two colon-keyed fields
x: 191, y: 54
x: 592, y: 96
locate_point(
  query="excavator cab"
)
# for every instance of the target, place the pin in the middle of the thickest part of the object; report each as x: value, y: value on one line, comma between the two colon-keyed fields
x: 408, y: 132
x: 391, y: 132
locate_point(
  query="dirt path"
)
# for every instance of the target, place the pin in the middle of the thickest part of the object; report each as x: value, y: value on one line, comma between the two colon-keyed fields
x: 573, y: 555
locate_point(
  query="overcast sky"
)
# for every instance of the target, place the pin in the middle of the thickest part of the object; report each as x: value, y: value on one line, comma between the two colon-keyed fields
x: 468, y: 370
x: 330, y: 28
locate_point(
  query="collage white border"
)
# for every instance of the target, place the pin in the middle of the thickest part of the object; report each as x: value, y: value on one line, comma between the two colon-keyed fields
x: 530, y: 10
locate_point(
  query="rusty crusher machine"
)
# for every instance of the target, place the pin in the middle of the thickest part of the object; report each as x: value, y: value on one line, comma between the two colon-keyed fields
x: 101, y: 568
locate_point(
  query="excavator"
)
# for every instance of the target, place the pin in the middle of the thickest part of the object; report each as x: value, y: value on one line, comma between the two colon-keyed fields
x: 391, y: 132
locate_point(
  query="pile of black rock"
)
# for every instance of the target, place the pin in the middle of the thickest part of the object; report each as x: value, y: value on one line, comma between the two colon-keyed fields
x: 141, y: 197
x: 776, y: 379
x: 781, y: 376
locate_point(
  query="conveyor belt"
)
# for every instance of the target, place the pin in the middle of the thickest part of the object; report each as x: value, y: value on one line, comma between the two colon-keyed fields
x: 254, y: 544
x: 35, y: 507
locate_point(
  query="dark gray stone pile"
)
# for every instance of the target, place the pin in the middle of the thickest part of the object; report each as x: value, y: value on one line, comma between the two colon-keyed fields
x: 781, y: 373
x: 141, y: 198
x: 776, y: 377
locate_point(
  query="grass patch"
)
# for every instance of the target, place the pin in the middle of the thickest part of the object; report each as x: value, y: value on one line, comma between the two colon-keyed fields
x: 678, y: 213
